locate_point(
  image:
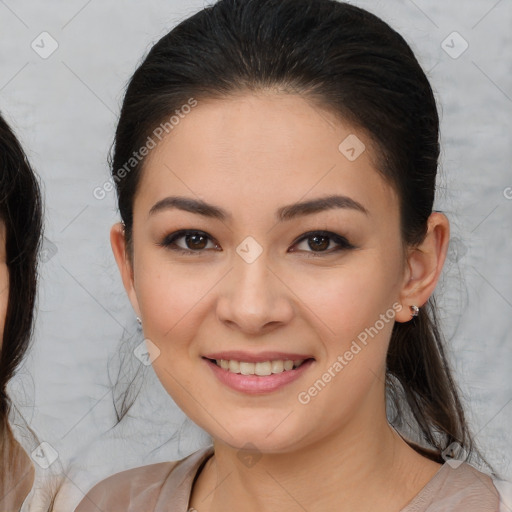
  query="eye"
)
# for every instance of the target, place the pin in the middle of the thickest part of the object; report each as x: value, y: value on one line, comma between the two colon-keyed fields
x: 195, y: 241
x: 320, y: 241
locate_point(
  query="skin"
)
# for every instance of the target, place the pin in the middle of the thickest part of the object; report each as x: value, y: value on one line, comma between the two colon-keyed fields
x: 4, y: 280
x: 16, y: 470
x: 252, y: 154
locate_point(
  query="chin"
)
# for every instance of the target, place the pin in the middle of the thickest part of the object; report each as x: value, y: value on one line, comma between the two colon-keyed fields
x: 262, y: 436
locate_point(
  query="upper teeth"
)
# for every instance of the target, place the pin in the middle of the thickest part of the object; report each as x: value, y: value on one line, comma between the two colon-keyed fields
x: 261, y: 368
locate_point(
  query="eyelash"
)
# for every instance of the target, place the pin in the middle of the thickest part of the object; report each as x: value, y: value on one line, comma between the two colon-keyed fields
x: 343, y: 243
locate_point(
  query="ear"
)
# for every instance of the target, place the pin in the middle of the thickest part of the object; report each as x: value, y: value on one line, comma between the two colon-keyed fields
x: 118, y: 243
x: 424, y: 265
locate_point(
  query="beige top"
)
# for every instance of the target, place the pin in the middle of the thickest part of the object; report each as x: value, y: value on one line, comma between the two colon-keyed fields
x: 166, y: 487
x: 16, y: 472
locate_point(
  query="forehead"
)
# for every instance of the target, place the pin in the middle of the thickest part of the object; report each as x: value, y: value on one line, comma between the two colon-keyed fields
x: 260, y: 149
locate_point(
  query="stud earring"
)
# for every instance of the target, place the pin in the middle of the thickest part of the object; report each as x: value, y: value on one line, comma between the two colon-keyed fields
x: 414, y: 311
x: 139, y: 321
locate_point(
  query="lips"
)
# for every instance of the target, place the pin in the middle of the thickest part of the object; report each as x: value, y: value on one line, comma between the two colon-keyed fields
x: 253, y: 384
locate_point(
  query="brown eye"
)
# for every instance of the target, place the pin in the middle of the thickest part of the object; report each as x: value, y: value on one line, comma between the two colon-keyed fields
x: 320, y: 241
x: 196, y: 241
x: 193, y: 241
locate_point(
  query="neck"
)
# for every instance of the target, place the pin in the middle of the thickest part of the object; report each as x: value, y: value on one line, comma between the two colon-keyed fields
x: 16, y: 470
x: 369, y: 468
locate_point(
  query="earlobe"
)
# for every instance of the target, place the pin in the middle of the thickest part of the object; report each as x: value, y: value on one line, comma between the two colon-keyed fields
x: 425, y: 263
x: 124, y: 263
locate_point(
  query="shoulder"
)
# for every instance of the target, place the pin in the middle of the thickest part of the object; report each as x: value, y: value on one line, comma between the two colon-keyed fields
x: 144, y: 487
x: 118, y: 492
x: 467, y: 476
x: 459, y: 487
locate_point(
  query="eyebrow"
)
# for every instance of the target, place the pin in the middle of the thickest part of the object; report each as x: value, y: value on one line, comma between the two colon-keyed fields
x: 284, y: 213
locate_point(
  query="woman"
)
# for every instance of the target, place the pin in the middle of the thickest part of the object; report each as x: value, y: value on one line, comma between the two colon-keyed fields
x: 20, y: 232
x: 275, y: 163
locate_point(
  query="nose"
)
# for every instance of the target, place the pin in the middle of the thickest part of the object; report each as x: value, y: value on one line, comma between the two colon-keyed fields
x: 253, y: 298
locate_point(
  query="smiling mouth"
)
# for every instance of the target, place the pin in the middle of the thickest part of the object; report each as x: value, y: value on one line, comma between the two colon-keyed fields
x: 261, y: 368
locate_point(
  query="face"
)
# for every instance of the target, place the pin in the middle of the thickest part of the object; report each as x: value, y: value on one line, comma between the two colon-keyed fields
x: 257, y: 282
x: 4, y: 279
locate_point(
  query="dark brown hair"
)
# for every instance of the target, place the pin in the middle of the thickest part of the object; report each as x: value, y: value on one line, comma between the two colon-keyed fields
x: 351, y: 62
x: 21, y: 211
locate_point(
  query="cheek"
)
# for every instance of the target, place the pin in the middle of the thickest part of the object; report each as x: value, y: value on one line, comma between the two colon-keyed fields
x: 170, y: 296
x: 346, y: 299
x: 174, y: 301
x: 4, y: 297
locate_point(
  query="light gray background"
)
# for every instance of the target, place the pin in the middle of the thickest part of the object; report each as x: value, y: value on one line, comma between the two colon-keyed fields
x: 64, y: 109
